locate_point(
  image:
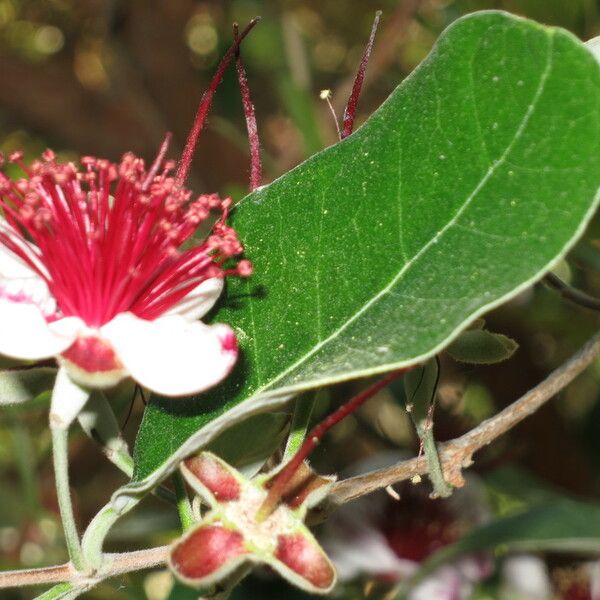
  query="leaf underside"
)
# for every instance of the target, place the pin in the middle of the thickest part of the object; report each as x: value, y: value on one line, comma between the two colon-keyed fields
x: 471, y: 180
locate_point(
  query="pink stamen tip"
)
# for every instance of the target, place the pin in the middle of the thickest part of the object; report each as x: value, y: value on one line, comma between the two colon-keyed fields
x: 244, y: 268
x: 205, y: 104
x: 160, y: 157
x: 110, y: 238
x: 15, y: 157
x: 350, y: 112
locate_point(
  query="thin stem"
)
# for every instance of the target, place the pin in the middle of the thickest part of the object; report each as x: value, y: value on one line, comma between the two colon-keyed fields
x: 121, y: 563
x: 425, y: 394
x: 184, y: 507
x: 314, y: 437
x: 350, y: 111
x: 250, y: 115
x: 326, y: 95
x: 441, y: 488
x: 60, y: 439
x: 570, y: 293
x: 303, y: 409
x: 205, y: 103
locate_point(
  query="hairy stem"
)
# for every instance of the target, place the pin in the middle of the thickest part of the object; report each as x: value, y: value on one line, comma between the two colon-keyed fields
x: 184, y: 507
x: 60, y: 455
x: 441, y: 488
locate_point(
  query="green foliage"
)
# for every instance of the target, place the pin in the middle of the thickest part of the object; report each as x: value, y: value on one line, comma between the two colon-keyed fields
x: 481, y: 347
x: 375, y: 253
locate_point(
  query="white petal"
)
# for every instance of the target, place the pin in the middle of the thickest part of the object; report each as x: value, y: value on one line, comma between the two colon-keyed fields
x: 13, y: 267
x: 25, y: 334
x: 199, y: 301
x: 526, y: 576
x: 171, y: 355
x: 19, y: 283
x: 68, y: 399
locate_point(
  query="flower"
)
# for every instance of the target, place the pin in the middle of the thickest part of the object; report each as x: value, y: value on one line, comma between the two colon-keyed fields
x: 230, y: 537
x: 99, y: 268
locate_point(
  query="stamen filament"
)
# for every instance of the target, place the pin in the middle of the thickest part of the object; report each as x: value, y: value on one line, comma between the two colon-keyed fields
x: 205, y: 103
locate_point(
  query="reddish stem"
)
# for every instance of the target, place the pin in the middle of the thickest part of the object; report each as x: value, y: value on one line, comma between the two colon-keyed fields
x: 350, y: 111
x: 284, y: 476
x: 190, y: 146
x: 250, y: 115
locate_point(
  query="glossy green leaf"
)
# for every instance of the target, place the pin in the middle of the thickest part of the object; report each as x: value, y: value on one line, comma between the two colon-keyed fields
x: 252, y: 440
x: 471, y: 180
x: 482, y: 347
x: 561, y: 526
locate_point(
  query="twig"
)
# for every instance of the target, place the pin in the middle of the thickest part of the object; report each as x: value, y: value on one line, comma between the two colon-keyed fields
x: 457, y: 454
x: 119, y: 564
x: 570, y: 293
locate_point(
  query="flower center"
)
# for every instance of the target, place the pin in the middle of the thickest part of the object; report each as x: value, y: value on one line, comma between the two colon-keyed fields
x: 110, y: 238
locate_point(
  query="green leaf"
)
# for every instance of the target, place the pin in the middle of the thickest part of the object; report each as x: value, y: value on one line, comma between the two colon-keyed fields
x: 252, y: 440
x: 476, y: 175
x: 25, y: 384
x: 481, y: 347
x: 561, y: 526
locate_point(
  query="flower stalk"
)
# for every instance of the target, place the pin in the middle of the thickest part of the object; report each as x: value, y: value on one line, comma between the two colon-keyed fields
x: 60, y: 438
x: 184, y: 507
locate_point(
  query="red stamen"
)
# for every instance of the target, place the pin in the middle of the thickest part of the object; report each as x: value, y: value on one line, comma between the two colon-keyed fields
x: 205, y: 104
x: 250, y: 114
x: 280, y: 481
x: 108, y: 238
x: 350, y: 111
x: 158, y: 161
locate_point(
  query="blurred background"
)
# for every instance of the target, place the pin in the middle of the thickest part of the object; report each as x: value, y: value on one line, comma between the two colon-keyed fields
x: 104, y: 77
